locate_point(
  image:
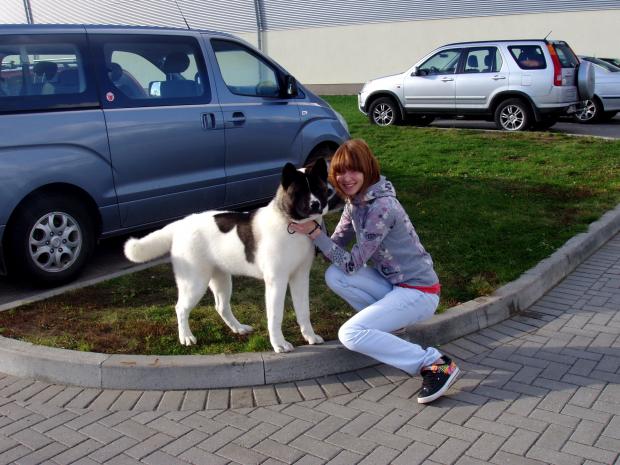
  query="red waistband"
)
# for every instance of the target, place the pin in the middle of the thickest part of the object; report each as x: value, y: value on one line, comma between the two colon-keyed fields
x: 434, y: 289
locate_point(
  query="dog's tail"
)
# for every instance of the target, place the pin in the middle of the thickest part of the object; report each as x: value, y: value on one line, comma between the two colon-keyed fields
x: 150, y: 246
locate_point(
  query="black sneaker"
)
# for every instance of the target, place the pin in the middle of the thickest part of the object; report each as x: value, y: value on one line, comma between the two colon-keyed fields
x: 436, y: 379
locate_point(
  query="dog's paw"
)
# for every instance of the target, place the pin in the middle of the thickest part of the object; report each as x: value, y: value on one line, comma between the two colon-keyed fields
x: 187, y: 339
x: 242, y: 329
x: 283, y: 346
x: 314, y: 339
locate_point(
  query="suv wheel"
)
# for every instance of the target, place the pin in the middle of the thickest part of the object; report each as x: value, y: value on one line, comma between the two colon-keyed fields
x: 513, y: 115
x: 590, y: 112
x: 384, y: 112
x: 50, y: 239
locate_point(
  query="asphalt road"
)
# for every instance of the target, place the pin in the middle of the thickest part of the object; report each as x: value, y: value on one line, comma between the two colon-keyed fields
x: 109, y: 257
x: 609, y: 129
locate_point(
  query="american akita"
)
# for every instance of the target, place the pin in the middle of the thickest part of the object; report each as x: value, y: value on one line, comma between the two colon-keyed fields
x: 207, y: 248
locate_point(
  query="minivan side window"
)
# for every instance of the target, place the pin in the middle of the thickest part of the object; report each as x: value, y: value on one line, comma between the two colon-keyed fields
x: 444, y: 62
x: 483, y: 60
x: 45, y: 73
x: 145, y: 70
x: 244, y: 72
x: 528, y: 56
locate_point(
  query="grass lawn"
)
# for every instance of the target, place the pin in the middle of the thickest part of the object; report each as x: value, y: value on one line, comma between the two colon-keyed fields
x: 487, y: 206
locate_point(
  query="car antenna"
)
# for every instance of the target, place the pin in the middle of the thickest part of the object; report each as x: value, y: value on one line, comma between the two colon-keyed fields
x: 182, y: 15
x: 547, y: 35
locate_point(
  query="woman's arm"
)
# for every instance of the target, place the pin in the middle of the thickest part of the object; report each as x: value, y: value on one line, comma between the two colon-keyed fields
x: 378, y: 224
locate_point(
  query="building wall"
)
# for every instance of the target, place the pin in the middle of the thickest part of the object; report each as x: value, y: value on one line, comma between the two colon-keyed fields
x: 355, y: 53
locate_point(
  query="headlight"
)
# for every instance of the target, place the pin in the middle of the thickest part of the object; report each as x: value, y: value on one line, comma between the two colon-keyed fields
x: 342, y: 120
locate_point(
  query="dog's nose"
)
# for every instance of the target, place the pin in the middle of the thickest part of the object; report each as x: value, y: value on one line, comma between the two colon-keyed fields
x: 315, y: 205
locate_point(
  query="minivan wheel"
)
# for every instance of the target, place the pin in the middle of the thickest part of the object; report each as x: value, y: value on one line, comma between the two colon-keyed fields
x: 513, y: 115
x: 590, y: 112
x: 50, y: 239
x: 384, y: 112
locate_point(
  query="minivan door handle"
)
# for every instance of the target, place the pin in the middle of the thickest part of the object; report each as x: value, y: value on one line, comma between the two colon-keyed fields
x: 447, y: 79
x: 208, y: 121
x: 498, y: 77
x: 235, y: 120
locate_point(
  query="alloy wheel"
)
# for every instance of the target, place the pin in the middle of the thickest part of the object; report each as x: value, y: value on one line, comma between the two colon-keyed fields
x: 383, y: 114
x: 588, y: 112
x: 512, y: 117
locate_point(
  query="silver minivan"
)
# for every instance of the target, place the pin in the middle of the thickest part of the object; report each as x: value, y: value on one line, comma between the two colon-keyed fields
x: 105, y: 130
x: 519, y: 84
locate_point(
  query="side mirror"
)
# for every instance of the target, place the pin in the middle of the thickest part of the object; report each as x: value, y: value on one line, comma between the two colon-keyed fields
x: 155, y: 89
x: 416, y: 71
x: 291, y: 86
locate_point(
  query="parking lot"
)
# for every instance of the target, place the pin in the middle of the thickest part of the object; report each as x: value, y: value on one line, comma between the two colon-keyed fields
x: 109, y: 260
x: 609, y: 129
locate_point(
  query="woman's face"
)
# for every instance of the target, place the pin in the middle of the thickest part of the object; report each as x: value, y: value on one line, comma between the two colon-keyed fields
x: 350, y: 182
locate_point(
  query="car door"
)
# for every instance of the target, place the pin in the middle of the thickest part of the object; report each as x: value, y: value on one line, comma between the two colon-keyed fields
x: 431, y: 85
x: 479, y: 78
x: 263, y: 126
x: 165, y: 126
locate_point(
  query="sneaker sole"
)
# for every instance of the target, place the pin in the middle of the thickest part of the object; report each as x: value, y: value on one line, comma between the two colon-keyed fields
x: 445, y: 387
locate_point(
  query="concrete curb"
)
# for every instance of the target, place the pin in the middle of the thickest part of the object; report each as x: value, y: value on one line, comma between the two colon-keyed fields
x: 251, y: 369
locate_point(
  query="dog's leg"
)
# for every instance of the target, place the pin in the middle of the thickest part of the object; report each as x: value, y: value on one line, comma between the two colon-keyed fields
x: 221, y: 286
x: 300, y: 290
x: 275, y: 290
x: 191, y: 285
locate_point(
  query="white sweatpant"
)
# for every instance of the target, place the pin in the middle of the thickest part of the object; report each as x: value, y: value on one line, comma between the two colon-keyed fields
x: 382, y: 308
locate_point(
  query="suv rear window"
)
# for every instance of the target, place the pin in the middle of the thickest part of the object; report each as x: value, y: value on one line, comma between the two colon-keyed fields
x: 565, y: 54
x: 528, y: 56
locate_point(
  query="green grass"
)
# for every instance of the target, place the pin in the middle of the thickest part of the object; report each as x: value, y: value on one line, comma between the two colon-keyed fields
x: 487, y: 206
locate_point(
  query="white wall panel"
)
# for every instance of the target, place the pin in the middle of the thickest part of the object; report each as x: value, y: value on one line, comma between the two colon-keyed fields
x: 12, y: 12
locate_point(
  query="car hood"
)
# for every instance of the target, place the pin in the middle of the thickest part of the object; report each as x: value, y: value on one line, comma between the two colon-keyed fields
x: 385, y: 81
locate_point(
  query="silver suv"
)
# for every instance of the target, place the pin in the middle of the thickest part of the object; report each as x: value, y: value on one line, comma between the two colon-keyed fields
x: 520, y: 84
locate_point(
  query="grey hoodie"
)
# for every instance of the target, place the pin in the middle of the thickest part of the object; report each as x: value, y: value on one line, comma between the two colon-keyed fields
x: 384, y: 234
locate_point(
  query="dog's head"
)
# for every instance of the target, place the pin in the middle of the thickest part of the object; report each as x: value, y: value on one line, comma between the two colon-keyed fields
x: 305, y: 193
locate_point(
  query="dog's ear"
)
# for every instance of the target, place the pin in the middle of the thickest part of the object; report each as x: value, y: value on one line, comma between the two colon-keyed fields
x: 289, y: 173
x: 319, y: 169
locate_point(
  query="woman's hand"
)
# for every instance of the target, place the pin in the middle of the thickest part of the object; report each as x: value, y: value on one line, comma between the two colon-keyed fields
x: 311, y: 229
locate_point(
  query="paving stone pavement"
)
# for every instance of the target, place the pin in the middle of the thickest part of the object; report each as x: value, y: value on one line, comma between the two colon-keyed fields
x: 540, y: 388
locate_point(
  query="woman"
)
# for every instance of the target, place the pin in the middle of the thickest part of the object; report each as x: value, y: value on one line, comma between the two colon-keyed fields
x: 399, y: 289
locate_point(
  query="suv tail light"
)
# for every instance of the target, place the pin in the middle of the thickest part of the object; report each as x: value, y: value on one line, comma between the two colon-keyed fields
x: 557, y: 67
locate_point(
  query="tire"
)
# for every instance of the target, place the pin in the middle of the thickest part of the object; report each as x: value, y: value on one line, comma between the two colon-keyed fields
x: 513, y: 115
x: 384, y: 112
x: 592, y: 112
x: 50, y: 255
x: 323, y: 151
x: 420, y: 120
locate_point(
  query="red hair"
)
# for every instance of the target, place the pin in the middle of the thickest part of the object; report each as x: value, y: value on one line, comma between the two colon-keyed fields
x: 354, y: 155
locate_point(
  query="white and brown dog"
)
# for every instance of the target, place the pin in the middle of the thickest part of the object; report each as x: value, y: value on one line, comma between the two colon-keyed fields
x: 206, y: 249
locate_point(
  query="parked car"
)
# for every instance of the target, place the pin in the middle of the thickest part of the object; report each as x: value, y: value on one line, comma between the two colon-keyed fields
x: 605, y: 103
x: 613, y: 61
x: 517, y: 83
x: 107, y: 130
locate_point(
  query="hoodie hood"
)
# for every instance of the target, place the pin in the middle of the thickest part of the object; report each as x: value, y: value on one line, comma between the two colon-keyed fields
x: 382, y: 188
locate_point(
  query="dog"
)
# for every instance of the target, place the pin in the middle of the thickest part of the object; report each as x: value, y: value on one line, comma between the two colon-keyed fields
x: 207, y: 248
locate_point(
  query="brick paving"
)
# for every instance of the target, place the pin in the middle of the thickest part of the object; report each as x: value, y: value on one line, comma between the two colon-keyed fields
x: 540, y: 388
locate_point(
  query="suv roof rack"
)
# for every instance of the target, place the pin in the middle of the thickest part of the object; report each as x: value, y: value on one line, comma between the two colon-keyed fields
x: 500, y: 40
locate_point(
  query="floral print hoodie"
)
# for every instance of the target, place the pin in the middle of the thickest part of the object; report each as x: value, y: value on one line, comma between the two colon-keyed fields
x: 384, y: 235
